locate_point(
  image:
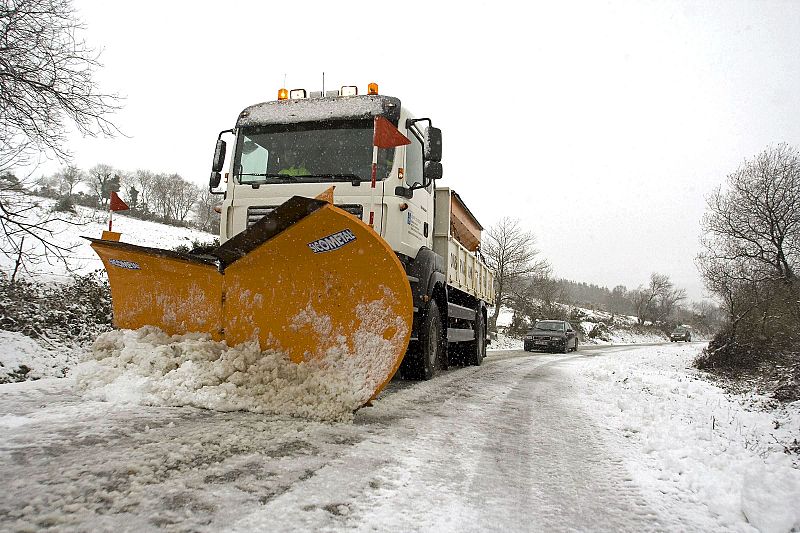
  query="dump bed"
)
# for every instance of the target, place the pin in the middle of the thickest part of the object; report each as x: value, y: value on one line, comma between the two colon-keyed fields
x: 457, y: 237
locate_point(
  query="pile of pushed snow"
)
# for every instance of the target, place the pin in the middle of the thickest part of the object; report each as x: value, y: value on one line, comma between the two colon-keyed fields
x: 698, y: 440
x: 149, y: 367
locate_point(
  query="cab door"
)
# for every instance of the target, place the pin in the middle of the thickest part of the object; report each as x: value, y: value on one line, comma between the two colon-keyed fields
x: 418, y: 220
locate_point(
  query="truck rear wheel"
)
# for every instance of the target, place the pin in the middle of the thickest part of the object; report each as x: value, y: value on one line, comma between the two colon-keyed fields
x: 476, y: 350
x: 424, y: 360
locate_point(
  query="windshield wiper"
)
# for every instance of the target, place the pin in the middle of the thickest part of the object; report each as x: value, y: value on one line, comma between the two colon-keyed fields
x: 335, y: 177
x: 288, y: 177
x: 355, y: 180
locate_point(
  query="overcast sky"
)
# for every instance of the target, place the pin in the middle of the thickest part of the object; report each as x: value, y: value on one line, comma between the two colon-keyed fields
x: 601, y: 126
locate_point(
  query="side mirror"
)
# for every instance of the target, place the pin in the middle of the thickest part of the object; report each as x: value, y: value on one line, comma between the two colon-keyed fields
x: 432, y: 150
x: 219, y: 156
x: 431, y: 171
x: 213, y: 181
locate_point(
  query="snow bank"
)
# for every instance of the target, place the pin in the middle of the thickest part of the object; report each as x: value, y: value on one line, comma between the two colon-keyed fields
x: 23, y: 358
x: 146, y: 366
x: 621, y: 335
x: 504, y: 342
x: 725, y: 452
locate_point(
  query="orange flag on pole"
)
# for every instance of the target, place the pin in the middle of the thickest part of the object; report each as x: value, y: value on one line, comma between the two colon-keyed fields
x: 116, y: 203
x: 386, y: 135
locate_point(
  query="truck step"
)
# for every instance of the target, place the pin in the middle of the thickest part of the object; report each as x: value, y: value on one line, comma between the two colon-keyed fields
x: 460, y: 335
x: 458, y: 311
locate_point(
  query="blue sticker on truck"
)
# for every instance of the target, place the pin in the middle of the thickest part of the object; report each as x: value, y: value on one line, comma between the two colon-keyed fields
x: 332, y: 242
x: 130, y: 265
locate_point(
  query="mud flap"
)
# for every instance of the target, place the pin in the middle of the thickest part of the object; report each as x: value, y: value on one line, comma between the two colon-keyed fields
x: 309, y: 279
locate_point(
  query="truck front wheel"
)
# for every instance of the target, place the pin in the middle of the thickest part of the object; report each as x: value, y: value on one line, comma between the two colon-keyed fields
x: 425, y: 359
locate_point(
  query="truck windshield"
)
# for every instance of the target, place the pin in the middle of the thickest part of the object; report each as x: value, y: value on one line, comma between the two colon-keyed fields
x: 309, y: 153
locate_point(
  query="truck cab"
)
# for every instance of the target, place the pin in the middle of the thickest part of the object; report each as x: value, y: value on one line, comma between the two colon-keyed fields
x: 302, y: 146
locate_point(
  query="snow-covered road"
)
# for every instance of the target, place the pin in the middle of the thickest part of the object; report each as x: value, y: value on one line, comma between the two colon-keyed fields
x: 507, y: 446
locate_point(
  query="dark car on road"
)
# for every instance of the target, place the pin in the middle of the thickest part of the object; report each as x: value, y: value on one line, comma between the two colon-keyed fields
x: 681, y: 333
x: 551, y: 336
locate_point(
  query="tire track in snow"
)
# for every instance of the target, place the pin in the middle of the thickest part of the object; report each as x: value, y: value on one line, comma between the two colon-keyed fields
x: 500, y: 447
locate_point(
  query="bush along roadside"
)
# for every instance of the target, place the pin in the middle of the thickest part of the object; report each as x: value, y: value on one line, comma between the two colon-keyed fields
x: 741, y: 363
x: 57, y: 314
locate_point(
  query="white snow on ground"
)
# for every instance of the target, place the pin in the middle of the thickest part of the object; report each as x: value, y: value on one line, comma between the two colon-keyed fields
x: 89, y: 222
x: 504, y: 342
x: 622, y: 440
x: 618, y: 335
x: 148, y: 367
x: 18, y: 350
x: 685, y: 440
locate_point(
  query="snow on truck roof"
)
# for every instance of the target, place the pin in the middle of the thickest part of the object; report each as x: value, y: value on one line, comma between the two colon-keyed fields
x: 320, y: 110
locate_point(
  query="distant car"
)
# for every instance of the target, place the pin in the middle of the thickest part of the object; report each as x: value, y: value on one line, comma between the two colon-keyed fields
x: 551, y: 336
x: 681, y: 334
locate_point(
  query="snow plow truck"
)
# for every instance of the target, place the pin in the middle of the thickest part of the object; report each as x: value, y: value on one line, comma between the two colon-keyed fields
x: 333, y: 238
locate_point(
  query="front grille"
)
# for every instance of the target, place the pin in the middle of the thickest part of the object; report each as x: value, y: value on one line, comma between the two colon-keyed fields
x: 257, y: 212
x: 540, y: 338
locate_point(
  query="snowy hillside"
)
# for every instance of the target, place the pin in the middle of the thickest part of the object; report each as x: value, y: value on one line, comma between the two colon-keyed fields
x: 596, y: 327
x: 86, y: 222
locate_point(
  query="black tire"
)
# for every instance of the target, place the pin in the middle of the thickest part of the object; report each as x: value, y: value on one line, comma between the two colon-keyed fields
x: 425, y: 358
x: 476, y: 350
x: 565, y: 349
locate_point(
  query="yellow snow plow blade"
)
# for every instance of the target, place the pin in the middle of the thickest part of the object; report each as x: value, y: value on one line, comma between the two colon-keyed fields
x: 308, y: 279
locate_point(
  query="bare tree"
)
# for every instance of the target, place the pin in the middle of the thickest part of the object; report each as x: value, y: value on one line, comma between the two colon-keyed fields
x: 68, y: 177
x: 185, y: 196
x: 27, y: 233
x: 667, y: 303
x: 144, y: 180
x: 162, y: 198
x: 207, y: 218
x: 619, y: 300
x: 549, y: 292
x: 511, y: 253
x: 656, y: 299
x: 47, y: 78
x: 47, y: 84
x: 751, y: 248
x: 756, y: 221
x: 103, y: 179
